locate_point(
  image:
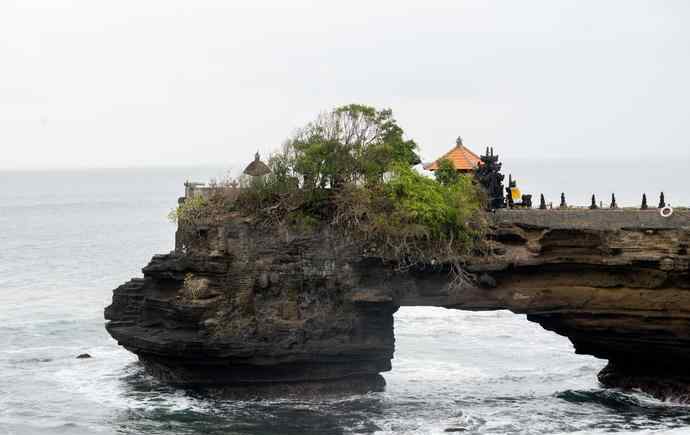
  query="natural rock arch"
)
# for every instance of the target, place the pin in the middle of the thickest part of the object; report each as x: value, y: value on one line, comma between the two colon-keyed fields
x: 251, y: 307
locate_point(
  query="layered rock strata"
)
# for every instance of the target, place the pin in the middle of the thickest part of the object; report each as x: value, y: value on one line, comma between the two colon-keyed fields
x: 238, y: 305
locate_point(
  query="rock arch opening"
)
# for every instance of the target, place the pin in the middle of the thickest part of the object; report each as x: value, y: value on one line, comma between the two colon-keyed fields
x: 482, y: 353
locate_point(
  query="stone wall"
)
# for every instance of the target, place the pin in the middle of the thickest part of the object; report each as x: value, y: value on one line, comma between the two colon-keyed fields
x: 600, y: 219
x: 192, y: 189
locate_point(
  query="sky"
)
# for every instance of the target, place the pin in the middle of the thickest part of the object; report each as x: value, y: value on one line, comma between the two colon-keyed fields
x: 131, y: 83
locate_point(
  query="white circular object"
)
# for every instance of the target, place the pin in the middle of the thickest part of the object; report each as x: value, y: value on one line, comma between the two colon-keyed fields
x: 666, y: 211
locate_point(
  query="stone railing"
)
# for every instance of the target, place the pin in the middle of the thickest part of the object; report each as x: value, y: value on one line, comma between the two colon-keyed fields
x: 192, y: 189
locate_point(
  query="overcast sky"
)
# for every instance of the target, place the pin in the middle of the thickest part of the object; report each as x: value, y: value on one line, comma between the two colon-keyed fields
x: 133, y: 83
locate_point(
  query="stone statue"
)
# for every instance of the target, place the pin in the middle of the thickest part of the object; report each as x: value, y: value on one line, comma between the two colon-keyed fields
x: 509, y: 194
x: 594, y: 205
x: 563, y: 203
x: 489, y: 176
x: 527, y: 201
x: 542, y: 202
x: 613, y: 201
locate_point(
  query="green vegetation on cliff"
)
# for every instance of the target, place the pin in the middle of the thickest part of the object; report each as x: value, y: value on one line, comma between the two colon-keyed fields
x: 351, y: 168
x: 190, y: 212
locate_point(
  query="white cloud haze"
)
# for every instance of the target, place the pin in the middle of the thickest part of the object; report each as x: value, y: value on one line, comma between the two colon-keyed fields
x: 97, y: 83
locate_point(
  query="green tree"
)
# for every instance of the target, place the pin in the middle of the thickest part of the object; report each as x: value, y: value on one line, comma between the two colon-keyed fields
x: 353, y: 143
x: 439, y: 211
x: 446, y: 173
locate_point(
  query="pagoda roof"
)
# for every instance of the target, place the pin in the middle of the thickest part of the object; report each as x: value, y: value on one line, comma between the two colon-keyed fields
x: 462, y: 157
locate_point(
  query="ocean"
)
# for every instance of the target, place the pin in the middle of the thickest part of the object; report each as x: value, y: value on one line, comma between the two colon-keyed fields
x: 67, y: 238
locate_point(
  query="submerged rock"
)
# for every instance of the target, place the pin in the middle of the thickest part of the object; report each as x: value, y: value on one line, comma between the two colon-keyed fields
x: 309, y: 308
x: 83, y: 356
x: 665, y: 380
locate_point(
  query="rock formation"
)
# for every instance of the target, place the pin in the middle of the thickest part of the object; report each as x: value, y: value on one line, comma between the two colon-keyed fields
x: 240, y: 305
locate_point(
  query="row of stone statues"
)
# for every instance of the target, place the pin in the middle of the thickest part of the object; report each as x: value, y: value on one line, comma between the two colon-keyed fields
x: 489, y: 176
x: 643, y: 206
x: 612, y: 205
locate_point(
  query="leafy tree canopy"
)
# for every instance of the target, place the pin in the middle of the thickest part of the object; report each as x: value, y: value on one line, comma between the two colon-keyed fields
x: 353, y: 143
x: 446, y: 173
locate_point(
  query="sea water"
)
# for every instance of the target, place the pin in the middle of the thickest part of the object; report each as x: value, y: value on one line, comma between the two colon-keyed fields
x: 68, y: 238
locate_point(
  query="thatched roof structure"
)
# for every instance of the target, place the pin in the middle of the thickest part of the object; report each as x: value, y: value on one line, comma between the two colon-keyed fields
x: 257, y: 168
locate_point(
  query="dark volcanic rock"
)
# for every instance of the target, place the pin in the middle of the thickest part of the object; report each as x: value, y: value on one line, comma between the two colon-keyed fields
x: 666, y: 380
x: 242, y: 306
x: 284, y: 312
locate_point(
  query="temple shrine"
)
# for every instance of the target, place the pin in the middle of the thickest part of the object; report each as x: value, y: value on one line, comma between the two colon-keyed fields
x: 463, y: 159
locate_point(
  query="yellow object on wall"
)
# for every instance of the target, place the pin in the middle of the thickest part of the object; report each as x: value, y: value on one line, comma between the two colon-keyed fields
x: 515, y: 193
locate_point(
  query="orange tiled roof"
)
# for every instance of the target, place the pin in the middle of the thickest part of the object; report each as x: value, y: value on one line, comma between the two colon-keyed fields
x: 463, y: 159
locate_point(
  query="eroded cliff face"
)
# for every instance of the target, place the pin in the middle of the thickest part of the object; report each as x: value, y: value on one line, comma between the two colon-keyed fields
x: 241, y: 305
x: 267, y: 307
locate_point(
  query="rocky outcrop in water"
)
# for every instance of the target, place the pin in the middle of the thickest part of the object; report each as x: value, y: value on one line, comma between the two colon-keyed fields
x: 247, y: 307
x: 239, y: 305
